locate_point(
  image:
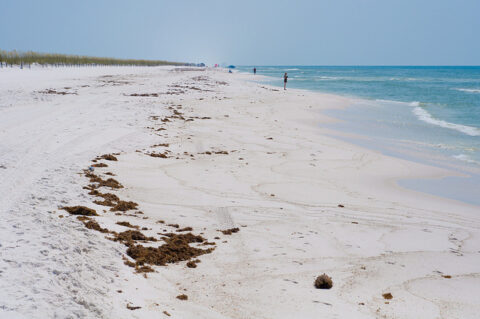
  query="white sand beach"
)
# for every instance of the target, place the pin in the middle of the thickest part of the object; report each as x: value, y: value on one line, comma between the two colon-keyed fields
x: 234, y: 154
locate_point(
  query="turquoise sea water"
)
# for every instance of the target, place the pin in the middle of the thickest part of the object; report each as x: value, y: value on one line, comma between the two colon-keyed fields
x: 430, y: 114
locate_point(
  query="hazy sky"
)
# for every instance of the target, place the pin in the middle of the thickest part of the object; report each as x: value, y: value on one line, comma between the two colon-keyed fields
x: 250, y: 32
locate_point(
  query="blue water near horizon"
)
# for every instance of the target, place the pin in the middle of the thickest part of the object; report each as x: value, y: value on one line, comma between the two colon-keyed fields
x: 425, y: 113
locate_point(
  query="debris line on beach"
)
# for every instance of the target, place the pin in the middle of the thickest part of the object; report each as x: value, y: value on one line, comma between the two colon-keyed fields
x: 80, y: 210
x: 230, y: 231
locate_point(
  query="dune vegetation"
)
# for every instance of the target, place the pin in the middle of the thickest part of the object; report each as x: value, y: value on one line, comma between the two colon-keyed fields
x: 10, y: 58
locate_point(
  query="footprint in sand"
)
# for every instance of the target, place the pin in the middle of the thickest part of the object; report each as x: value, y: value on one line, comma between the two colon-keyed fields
x: 224, y: 218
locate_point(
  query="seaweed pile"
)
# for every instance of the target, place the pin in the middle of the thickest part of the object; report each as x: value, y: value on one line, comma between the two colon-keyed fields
x: 139, y: 247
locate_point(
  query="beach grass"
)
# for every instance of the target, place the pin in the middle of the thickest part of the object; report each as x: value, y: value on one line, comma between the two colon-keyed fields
x: 27, y: 58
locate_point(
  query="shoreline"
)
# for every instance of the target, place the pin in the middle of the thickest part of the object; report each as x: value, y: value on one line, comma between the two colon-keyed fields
x: 449, y: 183
x: 252, y: 158
x: 447, y: 186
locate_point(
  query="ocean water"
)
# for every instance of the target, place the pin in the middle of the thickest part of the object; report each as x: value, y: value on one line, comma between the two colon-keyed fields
x: 427, y: 114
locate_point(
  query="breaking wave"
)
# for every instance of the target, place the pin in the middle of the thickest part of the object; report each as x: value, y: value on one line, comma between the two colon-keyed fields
x: 469, y: 90
x: 423, y: 115
x: 466, y: 158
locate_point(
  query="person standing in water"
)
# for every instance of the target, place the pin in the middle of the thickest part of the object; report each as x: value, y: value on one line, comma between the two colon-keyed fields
x: 254, y: 71
x: 285, y: 77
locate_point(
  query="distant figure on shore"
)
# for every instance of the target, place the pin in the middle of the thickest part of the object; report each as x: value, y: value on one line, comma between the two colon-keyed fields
x: 285, y: 77
x: 254, y: 71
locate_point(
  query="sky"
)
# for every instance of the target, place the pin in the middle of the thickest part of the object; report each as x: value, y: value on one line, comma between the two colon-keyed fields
x: 250, y: 32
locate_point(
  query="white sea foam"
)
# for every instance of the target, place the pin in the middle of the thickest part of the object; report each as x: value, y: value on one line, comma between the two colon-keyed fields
x: 469, y: 90
x: 466, y: 158
x: 404, y: 79
x: 389, y: 101
x: 323, y: 77
x: 423, y: 115
x: 414, y: 103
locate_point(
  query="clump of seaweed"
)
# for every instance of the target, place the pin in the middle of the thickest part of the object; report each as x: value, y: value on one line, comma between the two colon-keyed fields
x: 193, y: 263
x: 189, y: 237
x: 230, y: 231
x: 127, y: 224
x: 323, y: 282
x: 83, y: 218
x: 387, y: 296
x: 123, y: 206
x: 160, y: 155
x: 91, y: 224
x: 80, y: 210
x: 185, y: 229
x: 132, y: 307
x: 109, y: 196
x: 182, y: 297
x: 144, y: 269
x: 109, y: 199
x: 127, y: 262
x: 98, y: 182
x: 130, y: 236
x: 175, y: 249
x: 100, y: 165
x: 108, y: 157
x: 110, y: 182
x: 161, y: 145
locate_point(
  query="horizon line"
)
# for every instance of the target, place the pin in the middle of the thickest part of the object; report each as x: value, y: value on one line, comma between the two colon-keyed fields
x: 360, y: 65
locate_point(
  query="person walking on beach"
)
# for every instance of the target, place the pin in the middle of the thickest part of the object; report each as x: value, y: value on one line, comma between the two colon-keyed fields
x: 254, y: 71
x: 285, y: 77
